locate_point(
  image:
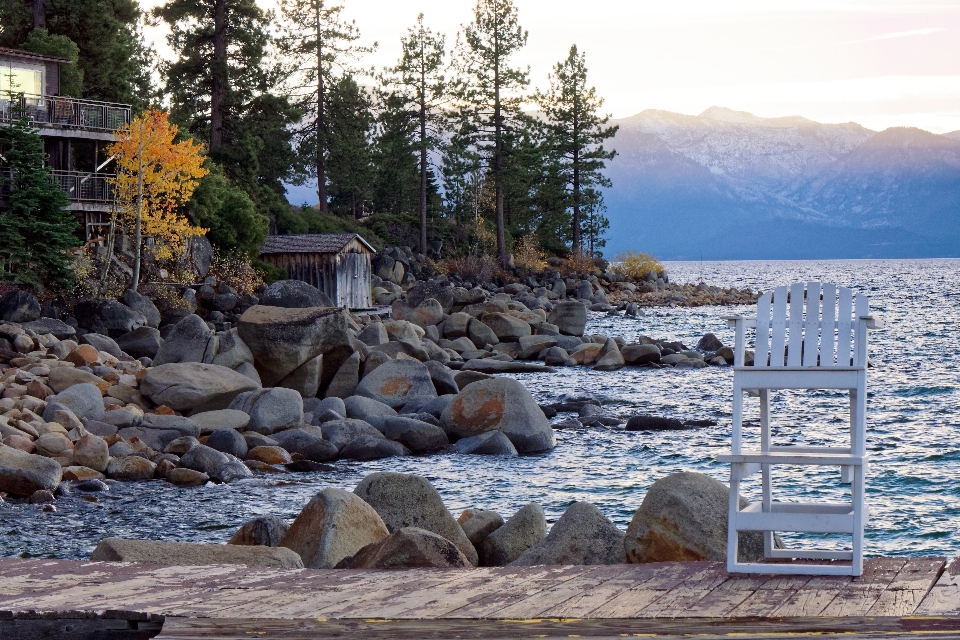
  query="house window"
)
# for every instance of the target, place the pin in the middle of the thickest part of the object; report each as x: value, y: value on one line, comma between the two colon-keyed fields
x: 16, y: 78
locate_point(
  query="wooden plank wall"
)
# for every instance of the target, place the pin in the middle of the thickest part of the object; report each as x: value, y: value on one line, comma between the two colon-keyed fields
x: 344, y: 276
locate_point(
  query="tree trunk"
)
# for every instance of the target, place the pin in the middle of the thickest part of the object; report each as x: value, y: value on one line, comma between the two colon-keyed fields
x: 498, y: 156
x: 321, y: 125
x: 39, y: 14
x: 138, y: 229
x: 423, y: 161
x: 219, y: 80
x: 577, y: 239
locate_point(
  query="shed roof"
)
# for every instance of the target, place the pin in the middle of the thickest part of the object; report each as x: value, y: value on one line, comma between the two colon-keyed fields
x: 29, y: 55
x: 311, y: 243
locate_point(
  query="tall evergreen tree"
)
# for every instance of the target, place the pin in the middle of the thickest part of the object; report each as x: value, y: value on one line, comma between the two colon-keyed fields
x: 349, y: 155
x: 37, y: 230
x: 489, y: 89
x: 319, y: 46
x: 419, y: 79
x: 396, y: 182
x: 463, y: 174
x: 595, y: 224
x: 577, y: 133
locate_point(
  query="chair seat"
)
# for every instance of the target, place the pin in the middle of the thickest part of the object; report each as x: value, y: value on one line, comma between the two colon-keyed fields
x: 798, y: 377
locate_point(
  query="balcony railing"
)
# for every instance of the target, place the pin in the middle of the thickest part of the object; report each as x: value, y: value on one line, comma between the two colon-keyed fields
x: 65, y: 111
x: 80, y: 186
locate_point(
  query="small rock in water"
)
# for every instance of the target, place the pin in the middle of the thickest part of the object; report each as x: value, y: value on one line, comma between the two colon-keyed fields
x: 653, y: 423
x: 265, y: 530
x: 568, y: 423
x: 305, y: 466
x: 41, y: 496
x: 92, y: 486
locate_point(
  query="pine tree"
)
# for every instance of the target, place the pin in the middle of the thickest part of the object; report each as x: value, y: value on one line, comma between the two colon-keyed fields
x: 577, y: 134
x: 37, y: 230
x: 595, y: 224
x: 419, y: 81
x: 489, y: 89
x: 319, y: 47
x: 463, y: 175
x: 349, y: 155
x: 396, y: 181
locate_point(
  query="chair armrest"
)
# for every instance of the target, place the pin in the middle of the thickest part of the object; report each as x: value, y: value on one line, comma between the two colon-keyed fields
x: 748, y: 322
x: 872, y: 322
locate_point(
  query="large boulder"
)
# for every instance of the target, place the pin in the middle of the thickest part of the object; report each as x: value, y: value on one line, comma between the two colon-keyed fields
x: 294, y: 294
x: 372, y: 448
x: 409, y: 548
x: 142, y: 304
x: 210, y: 421
x: 187, y: 554
x: 228, y: 441
x: 368, y: 409
x: 270, y: 409
x: 582, y: 535
x: 570, y: 317
x: 429, y: 289
x: 345, y: 380
x: 527, y: 528
x: 416, y: 435
x: 194, y: 386
x: 499, y: 404
x: 340, y: 433
x: 141, y: 342
x: 58, y: 329
x: 263, y: 530
x: 397, y: 382
x: 19, y: 306
x: 22, y: 473
x: 334, y: 525
x: 477, y: 524
x: 232, y: 352
x: 84, y: 400
x: 505, y: 327
x: 108, y: 317
x: 130, y: 468
x: 427, y: 313
x: 190, y: 340
x: 609, y: 357
x: 682, y: 518
x: 307, y: 445
x: 640, y: 353
x: 491, y: 443
x: 91, y: 451
x: 407, y: 500
x: 283, y: 339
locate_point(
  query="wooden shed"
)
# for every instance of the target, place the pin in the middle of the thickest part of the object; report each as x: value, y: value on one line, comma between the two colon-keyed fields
x: 336, y: 263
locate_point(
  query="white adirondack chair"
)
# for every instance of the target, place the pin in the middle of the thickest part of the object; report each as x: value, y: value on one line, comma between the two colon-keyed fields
x: 801, y: 344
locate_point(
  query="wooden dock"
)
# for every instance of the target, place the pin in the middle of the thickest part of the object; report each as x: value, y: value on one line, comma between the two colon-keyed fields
x: 917, y: 597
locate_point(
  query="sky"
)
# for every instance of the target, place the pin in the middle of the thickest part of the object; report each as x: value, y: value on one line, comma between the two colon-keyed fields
x: 880, y: 63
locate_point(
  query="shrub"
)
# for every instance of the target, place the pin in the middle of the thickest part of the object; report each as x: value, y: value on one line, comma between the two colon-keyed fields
x: 577, y: 263
x: 527, y: 256
x: 236, y: 272
x: 476, y: 268
x: 634, y: 266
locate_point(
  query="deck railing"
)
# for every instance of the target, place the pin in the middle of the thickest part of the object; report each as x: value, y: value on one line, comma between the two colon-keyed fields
x: 65, y: 111
x: 80, y: 186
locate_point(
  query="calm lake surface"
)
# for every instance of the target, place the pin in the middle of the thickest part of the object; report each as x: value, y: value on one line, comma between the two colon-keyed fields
x: 913, y: 423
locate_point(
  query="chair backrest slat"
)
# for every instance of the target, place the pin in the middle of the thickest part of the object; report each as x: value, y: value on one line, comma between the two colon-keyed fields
x: 844, y: 327
x: 763, y: 331
x: 862, y: 309
x: 795, y: 325
x: 812, y: 324
x: 778, y: 327
x: 828, y: 325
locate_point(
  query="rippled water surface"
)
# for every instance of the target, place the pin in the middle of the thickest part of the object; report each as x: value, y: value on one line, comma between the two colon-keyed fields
x: 913, y: 421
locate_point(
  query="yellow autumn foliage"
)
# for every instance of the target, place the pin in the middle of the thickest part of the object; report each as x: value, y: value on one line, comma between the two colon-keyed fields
x: 171, y: 172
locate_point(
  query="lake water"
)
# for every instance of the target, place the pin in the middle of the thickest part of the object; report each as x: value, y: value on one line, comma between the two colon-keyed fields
x: 913, y: 424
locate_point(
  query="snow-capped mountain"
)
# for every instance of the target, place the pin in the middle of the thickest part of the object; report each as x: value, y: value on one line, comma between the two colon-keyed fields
x: 733, y: 185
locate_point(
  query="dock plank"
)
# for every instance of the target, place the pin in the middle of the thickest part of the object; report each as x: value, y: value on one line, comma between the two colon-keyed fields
x: 583, y: 604
x: 724, y: 598
x: 693, y: 588
x: 861, y: 593
x: 909, y: 587
x: 944, y: 597
x: 815, y: 596
x: 541, y: 578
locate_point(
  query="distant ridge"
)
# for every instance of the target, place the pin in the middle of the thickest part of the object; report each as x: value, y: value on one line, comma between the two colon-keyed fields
x: 731, y: 185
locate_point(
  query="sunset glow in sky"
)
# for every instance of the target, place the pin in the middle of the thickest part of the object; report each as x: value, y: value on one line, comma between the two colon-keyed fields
x: 881, y: 63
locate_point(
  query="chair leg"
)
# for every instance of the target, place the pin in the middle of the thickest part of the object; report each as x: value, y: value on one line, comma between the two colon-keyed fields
x: 859, y: 509
x: 737, y: 418
x: 732, y: 510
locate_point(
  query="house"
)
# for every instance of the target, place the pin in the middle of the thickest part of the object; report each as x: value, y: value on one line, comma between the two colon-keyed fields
x: 339, y: 264
x: 76, y: 133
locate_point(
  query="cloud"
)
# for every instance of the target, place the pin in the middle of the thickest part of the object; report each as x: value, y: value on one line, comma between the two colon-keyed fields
x: 883, y: 36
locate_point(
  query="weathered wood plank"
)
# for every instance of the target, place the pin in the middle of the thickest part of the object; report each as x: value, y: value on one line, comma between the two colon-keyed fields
x: 535, y: 605
x: 622, y: 578
x: 813, y: 598
x: 769, y: 596
x: 944, y: 597
x: 665, y: 576
x: 905, y: 593
x: 853, y: 628
x: 540, y: 578
x: 724, y: 598
x: 678, y: 599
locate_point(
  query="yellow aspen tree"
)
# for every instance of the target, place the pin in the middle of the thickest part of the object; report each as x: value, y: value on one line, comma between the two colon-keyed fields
x: 155, y: 176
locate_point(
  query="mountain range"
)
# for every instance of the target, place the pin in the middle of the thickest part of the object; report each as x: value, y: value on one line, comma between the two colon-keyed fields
x: 731, y: 185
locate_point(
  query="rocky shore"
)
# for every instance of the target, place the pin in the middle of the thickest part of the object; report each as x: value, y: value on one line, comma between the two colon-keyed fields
x: 285, y: 382
x: 399, y: 521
